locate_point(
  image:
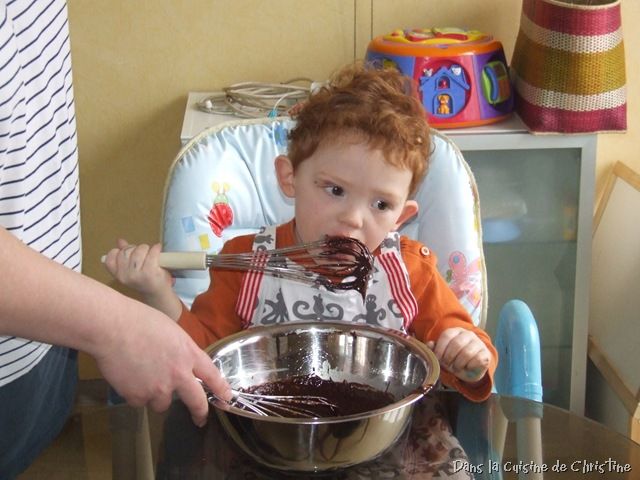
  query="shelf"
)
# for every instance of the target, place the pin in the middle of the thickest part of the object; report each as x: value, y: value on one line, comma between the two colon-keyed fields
x: 509, y: 126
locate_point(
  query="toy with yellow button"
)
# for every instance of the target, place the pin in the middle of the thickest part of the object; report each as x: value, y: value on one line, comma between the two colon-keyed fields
x: 462, y: 74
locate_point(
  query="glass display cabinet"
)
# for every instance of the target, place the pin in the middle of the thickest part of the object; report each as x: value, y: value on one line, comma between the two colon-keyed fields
x: 536, y: 200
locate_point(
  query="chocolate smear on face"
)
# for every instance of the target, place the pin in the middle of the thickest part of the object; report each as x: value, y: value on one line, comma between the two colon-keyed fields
x: 351, y: 259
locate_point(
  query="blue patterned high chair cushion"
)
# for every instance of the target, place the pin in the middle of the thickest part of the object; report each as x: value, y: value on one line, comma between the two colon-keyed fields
x: 223, y: 184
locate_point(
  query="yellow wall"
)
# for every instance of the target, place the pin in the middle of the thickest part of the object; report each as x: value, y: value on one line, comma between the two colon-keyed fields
x: 135, y: 61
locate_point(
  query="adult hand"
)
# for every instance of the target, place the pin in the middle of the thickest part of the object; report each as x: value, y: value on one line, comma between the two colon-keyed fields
x: 152, y: 357
x: 140, y: 351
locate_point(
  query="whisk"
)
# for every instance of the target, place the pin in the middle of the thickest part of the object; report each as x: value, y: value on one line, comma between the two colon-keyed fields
x: 339, y: 263
x: 276, y: 405
x: 282, y: 405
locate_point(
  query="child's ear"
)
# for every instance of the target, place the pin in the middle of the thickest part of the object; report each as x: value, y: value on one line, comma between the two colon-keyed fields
x: 410, y: 209
x: 284, y: 172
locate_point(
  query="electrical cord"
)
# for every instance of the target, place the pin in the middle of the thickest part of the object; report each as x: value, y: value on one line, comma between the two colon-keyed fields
x: 256, y: 99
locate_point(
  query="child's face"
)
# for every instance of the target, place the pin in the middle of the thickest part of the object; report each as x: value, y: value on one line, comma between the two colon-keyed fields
x: 347, y: 189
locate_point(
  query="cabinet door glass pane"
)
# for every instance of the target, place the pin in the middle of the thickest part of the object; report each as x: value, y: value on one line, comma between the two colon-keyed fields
x: 529, y: 203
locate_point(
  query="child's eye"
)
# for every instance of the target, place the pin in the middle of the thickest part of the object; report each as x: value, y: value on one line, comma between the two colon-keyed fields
x: 334, y: 190
x: 381, y: 205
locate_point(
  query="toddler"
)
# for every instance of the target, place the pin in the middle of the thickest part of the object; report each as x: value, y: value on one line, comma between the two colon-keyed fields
x: 358, y: 151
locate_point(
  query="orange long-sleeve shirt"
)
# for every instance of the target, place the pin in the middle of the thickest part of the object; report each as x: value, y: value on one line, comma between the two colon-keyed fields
x: 213, y: 313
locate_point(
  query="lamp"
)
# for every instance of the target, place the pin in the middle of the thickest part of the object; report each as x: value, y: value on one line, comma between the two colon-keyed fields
x: 568, y: 67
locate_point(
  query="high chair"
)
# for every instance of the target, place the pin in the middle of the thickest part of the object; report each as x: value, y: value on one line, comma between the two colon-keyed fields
x: 223, y: 184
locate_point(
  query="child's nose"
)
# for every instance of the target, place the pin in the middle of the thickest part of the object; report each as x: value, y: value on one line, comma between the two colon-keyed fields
x: 352, y: 217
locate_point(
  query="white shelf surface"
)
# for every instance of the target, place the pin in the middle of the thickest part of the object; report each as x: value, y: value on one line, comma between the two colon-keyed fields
x: 195, y: 120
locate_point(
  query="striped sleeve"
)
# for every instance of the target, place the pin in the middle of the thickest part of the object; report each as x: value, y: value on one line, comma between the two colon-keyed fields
x: 39, y: 201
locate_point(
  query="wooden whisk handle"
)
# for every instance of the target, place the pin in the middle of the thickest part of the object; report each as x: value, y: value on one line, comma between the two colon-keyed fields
x: 183, y: 260
x: 180, y: 260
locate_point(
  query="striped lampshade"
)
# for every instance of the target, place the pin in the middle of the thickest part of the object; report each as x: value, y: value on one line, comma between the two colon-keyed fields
x: 568, y: 67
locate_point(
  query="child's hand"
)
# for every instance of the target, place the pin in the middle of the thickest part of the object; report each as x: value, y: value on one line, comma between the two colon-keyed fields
x: 462, y: 353
x: 137, y: 267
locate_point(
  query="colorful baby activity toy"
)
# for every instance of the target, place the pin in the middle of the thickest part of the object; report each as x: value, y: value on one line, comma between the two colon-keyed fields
x: 462, y: 75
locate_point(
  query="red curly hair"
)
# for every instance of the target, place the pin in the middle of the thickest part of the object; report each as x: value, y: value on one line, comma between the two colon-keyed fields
x: 379, y: 107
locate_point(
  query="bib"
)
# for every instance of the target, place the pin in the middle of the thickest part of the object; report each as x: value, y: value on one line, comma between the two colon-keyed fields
x: 388, y: 302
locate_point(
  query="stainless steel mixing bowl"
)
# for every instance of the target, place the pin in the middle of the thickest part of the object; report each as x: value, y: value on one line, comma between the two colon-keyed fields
x: 384, y: 359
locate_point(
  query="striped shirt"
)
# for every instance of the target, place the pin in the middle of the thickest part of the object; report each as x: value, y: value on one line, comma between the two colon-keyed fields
x: 39, y: 201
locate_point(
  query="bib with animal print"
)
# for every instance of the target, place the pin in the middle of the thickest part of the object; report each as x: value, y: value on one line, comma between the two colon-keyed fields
x: 268, y: 300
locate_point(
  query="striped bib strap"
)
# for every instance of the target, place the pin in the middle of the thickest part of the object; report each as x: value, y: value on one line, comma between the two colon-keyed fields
x: 251, y: 280
x: 399, y: 283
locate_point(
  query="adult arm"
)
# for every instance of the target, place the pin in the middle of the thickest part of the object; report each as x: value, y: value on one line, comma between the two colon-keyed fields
x: 142, y: 353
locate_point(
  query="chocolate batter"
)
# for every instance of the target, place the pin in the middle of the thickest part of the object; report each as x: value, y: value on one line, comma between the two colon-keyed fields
x: 347, y: 398
x: 361, y: 263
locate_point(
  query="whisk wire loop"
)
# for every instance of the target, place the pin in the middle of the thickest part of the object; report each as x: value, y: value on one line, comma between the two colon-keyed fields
x: 274, y: 405
x: 336, y: 263
x: 281, y: 405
